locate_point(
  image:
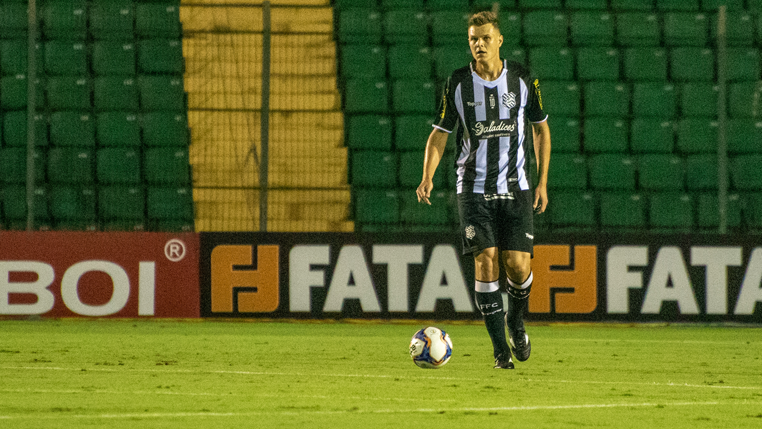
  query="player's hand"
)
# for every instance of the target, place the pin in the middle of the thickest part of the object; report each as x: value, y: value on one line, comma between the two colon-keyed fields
x: 540, y: 199
x: 424, y: 191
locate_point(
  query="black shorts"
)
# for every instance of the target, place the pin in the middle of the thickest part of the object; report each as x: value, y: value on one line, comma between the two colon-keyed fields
x: 497, y: 220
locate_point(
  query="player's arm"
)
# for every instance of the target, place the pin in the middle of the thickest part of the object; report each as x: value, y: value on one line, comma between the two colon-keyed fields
x: 435, y: 147
x: 541, y: 134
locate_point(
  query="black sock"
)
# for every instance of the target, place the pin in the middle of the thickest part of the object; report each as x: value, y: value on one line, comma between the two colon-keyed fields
x: 491, y: 306
x: 518, y: 302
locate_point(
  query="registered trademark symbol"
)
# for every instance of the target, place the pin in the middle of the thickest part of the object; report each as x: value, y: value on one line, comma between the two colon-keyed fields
x: 175, y: 250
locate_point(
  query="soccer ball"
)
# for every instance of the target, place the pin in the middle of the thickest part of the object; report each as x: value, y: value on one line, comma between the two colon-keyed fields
x: 431, y: 348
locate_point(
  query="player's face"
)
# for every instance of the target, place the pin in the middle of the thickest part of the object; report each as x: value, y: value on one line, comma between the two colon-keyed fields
x: 485, y: 42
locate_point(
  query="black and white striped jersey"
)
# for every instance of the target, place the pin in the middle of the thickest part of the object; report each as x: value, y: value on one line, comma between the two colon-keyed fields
x: 494, y: 119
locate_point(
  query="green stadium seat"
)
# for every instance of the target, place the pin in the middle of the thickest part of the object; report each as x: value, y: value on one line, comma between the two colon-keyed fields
x: 745, y: 173
x: 166, y: 166
x: 487, y: 4
x: 73, y: 203
x: 13, y: 165
x: 412, y: 131
x: 15, y: 129
x: 592, y: 28
x: 121, y: 203
x: 117, y: 129
x: 116, y: 165
x: 565, y: 134
x: 741, y: 99
x: 161, y: 93
x: 638, y: 29
x: 697, y: 135
x: 701, y: 172
x: 754, y: 5
x: 69, y: 93
x: 160, y: 56
x: 598, y: 63
x: 458, y: 5
x: 739, y: 30
x: 165, y: 129
x: 115, y: 93
x: 672, y: 211
x: 544, y: 27
x: 376, y: 206
x: 752, y: 210
x: 406, y: 26
x: 561, y: 98
x: 401, y: 4
x: 622, y: 211
x: 612, y: 171
x: 606, y: 99
x: 511, y: 53
x: 72, y: 129
x: 408, y: 61
x: 538, y: 4
x: 113, y: 58
x: 363, y: 61
x: 414, y: 213
x: 552, y: 62
x: 699, y: 99
x: 685, y: 29
x: 414, y: 96
x: 572, y: 209
x: 13, y: 19
x: 71, y: 165
x: 568, y: 171
x: 510, y: 27
x: 645, y: 64
x: 654, y: 99
x: 713, y: 5
x: 351, y: 4
x: 652, y: 135
x: 366, y: 95
x: 65, y: 19
x: 586, y: 4
x: 683, y: 5
x: 708, y: 210
x: 411, y: 170
x: 64, y: 57
x: 170, y: 203
x: 692, y: 64
x: 157, y: 20
x: 13, y: 92
x: 15, y: 207
x: 14, y: 57
x: 369, y: 132
x: 632, y: 4
x: 449, y: 26
x: 743, y: 64
x: 374, y: 169
x: 448, y: 58
x: 360, y: 26
x: 604, y: 135
x: 661, y: 172
x: 744, y: 136
x: 112, y: 20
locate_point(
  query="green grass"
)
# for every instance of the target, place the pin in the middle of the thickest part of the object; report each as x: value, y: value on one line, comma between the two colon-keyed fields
x: 156, y: 374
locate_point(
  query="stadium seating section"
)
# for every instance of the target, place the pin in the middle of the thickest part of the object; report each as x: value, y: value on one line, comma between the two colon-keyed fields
x: 630, y: 87
x: 111, y: 128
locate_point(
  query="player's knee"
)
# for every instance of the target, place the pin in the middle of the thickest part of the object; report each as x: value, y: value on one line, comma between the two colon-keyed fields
x: 518, y: 268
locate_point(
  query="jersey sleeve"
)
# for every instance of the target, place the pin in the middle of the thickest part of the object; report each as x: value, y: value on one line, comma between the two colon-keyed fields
x: 535, y: 112
x: 447, y: 117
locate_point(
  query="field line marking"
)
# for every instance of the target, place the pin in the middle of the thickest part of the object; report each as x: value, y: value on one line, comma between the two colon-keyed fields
x: 371, y: 411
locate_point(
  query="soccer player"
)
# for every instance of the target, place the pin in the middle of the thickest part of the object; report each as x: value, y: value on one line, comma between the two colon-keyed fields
x: 492, y: 103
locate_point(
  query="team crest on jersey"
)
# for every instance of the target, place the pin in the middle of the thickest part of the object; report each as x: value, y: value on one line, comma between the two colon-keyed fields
x: 470, y: 232
x: 509, y: 100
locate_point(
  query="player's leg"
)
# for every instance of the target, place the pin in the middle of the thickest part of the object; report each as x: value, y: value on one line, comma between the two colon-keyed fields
x: 518, y: 268
x: 476, y: 226
x: 489, y: 300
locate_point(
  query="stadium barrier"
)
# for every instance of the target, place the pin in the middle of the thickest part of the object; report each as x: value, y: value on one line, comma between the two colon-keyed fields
x: 634, y: 278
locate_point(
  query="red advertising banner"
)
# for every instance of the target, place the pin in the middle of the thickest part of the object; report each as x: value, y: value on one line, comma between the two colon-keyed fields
x: 99, y: 274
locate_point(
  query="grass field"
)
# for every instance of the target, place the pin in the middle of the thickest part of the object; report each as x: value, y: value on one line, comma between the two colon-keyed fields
x: 157, y: 374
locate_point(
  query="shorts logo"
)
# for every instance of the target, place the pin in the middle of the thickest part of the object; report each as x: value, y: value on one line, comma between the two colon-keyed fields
x: 470, y: 232
x: 529, y: 236
x: 509, y: 100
